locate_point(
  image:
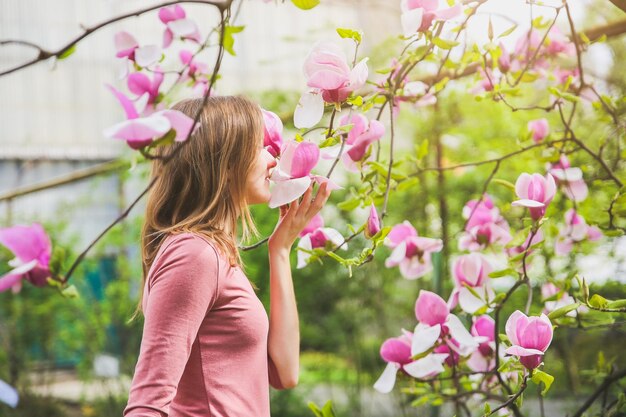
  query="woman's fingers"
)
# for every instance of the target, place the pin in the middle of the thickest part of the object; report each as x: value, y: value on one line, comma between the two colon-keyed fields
x: 318, y: 202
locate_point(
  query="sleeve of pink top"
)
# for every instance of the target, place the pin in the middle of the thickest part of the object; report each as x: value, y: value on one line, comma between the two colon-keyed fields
x: 183, y: 286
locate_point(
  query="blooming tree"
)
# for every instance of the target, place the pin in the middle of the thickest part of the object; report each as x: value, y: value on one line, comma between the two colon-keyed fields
x: 457, y: 343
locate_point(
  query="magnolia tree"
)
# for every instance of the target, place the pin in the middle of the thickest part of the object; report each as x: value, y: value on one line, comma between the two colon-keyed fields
x: 347, y: 114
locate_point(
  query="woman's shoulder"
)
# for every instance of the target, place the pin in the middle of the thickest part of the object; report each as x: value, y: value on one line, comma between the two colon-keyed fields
x: 189, y: 245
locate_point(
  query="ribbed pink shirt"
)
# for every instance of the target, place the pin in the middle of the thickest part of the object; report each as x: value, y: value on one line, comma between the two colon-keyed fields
x: 204, y: 344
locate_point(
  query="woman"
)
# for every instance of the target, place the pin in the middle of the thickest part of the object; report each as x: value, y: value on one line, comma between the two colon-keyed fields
x: 208, y: 348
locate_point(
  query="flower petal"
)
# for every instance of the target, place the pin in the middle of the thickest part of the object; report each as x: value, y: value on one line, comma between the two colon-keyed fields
x: 147, y: 55
x: 411, y: 21
x: 8, y: 394
x: 424, y: 337
x: 309, y: 110
x: 286, y: 191
x: 387, y: 380
x: 429, y: 365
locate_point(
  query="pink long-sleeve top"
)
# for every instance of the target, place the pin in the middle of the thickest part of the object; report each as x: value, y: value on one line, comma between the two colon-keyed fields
x: 204, y: 344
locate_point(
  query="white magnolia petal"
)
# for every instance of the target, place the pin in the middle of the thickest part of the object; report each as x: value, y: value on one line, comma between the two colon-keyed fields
x: 309, y: 110
x: 303, y: 257
x: 397, y: 255
x: 387, y: 379
x: 8, y: 394
x: 424, y: 337
x: 147, y: 55
x: 21, y: 268
x: 466, y: 341
x: 335, y: 237
x: 425, y: 366
x: 183, y: 27
x: 468, y: 301
x: 286, y: 191
x: 411, y: 21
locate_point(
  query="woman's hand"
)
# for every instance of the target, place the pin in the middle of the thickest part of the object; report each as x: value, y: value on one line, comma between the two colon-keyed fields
x: 295, y: 216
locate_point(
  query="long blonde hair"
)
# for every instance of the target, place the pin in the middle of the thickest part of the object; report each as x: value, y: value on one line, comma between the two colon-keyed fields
x: 202, y: 188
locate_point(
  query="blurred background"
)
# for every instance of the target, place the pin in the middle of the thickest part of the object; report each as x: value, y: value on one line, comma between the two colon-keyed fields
x: 73, y: 357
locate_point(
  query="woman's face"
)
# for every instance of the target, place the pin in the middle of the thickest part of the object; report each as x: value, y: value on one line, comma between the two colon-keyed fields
x: 258, y: 183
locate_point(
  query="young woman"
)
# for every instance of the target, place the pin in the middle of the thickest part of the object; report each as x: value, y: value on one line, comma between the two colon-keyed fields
x: 208, y: 347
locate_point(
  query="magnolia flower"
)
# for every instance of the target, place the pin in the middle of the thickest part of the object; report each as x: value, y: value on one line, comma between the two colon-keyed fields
x: 418, y: 15
x: 436, y: 324
x: 504, y: 61
x: 575, y: 230
x: 326, y: 69
x: 483, y: 359
x: 128, y: 48
x: 570, y: 179
x: 140, y: 84
x: 410, y: 252
x: 535, y: 192
x: 471, y: 271
x: 559, y: 43
x: 485, y: 226
x: 174, y: 17
x: 32, y: 249
x: 539, y: 129
x: 397, y: 352
x: 529, y: 336
x: 315, y: 235
x: 292, y: 175
x: 8, y: 394
x: 373, y: 223
x: 357, y: 144
x: 272, y: 139
x: 139, y: 132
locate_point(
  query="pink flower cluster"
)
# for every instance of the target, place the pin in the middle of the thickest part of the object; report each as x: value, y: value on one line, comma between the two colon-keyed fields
x: 485, y: 226
x: 410, y: 251
x: 330, y: 80
x: 315, y: 235
x: 32, y: 250
x: 438, y: 338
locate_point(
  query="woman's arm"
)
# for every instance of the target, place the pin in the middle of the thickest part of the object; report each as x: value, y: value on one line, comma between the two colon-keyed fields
x: 284, y: 334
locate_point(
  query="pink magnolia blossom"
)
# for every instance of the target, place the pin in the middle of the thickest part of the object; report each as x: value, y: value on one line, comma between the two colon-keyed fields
x: 292, y: 175
x: 327, y: 70
x: 570, y: 179
x: 32, y: 250
x: 559, y: 43
x: 485, y: 226
x: 410, y: 251
x: 504, y: 61
x: 436, y: 324
x: 272, y: 139
x: 574, y: 231
x: 128, y: 48
x: 418, y: 15
x: 315, y: 235
x: 373, y: 223
x: 535, y: 192
x: 471, y: 271
x: 483, y: 359
x: 529, y: 336
x: 397, y: 352
x: 8, y: 394
x: 357, y: 145
x: 139, y: 132
x: 140, y: 84
x: 539, y: 129
x: 174, y: 17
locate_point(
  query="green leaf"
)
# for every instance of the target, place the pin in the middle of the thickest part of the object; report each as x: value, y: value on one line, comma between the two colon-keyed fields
x: 507, y: 32
x: 616, y: 304
x: 407, y: 183
x: 540, y: 376
x: 350, y: 34
x: 356, y: 101
x: 598, y: 301
x: 69, y: 51
x: 229, y: 40
x: 164, y: 140
x: 444, y: 43
x: 305, y: 4
x: 349, y: 205
x: 70, y: 292
x: 560, y: 312
x: 316, y: 410
x: 502, y: 273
